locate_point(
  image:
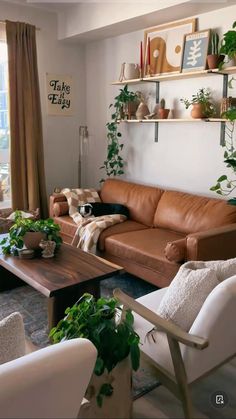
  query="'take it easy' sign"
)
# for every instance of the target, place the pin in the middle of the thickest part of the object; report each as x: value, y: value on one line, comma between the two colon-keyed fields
x: 60, y: 95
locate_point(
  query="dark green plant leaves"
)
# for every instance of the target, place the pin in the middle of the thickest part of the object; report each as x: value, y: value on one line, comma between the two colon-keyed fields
x: 100, y: 322
x: 105, y: 390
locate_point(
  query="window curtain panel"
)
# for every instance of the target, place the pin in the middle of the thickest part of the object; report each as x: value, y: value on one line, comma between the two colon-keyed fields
x: 26, y: 155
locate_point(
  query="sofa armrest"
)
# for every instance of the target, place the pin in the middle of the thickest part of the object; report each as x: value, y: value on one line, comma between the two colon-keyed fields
x: 213, y: 244
x: 56, y: 197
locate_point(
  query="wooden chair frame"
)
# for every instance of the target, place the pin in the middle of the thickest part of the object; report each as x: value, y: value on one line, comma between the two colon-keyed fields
x: 177, y: 384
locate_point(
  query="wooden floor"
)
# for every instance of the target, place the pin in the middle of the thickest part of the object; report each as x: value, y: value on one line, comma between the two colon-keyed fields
x: 160, y: 403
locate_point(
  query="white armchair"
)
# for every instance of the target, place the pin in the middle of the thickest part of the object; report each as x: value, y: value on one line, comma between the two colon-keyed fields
x: 181, y: 358
x: 48, y: 383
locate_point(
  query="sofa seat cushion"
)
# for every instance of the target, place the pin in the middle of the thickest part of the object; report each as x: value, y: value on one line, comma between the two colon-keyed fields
x: 187, y: 213
x: 125, y: 227
x: 145, y: 247
x: 67, y: 225
x: 141, y: 200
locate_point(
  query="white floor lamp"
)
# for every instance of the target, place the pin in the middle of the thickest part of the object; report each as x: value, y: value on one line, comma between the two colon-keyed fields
x: 83, y: 156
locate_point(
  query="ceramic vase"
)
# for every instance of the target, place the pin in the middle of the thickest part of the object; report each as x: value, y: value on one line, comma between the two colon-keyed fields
x: 142, y: 111
x: 33, y: 238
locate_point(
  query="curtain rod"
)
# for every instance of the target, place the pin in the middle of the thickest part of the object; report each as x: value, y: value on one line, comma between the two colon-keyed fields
x: 4, y: 22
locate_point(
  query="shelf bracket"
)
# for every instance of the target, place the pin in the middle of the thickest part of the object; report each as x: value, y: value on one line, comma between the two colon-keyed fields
x: 157, y: 101
x: 222, y: 134
x: 225, y: 85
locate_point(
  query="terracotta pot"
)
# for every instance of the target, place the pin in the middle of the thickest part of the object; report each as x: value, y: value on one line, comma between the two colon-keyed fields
x: 197, y: 111
x: 213, y: 60
x: 33, y: 238
x: 142, y: 111
x: 163, y: 113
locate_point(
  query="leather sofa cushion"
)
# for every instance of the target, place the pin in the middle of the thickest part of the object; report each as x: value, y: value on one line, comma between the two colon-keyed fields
x: 60, y: 208
x: 125, y: 227
x: 140, y: 199
x: 187, y: 213
x: 145, y: 247
x: 67, y: 225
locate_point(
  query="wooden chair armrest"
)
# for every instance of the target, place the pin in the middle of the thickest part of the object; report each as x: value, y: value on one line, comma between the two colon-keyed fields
x: 163, y: 325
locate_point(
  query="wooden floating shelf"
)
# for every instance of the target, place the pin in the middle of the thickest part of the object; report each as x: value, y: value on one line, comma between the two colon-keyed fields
x: 148, y: 121
x: 178, y: 76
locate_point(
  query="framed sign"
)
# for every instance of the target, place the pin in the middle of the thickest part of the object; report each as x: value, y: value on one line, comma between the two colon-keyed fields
x: 195, y: 51
x: 164, y: 44
x: 60, y: 95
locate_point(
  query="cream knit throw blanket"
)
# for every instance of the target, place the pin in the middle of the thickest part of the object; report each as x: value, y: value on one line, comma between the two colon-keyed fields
x: 89, y: 229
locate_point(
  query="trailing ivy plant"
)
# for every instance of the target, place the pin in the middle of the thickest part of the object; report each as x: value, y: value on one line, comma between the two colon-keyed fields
x: 101, y: 322
x: 226, y: 184
x: 114, y: 163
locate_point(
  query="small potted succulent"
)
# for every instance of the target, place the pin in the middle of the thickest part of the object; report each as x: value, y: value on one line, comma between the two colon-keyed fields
x: 163, y: 112
x: 111, y: 331
x: 27, y: 232
x: 201, y: 104
x: 214, y: 58
x: 228, y: 45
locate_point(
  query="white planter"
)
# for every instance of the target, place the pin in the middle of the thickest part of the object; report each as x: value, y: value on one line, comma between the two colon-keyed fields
x: 119, y: 404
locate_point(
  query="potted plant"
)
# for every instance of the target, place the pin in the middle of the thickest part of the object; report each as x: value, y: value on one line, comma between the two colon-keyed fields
x: 116, y: 341
x: 214, y: 58
x: 29, y: 233
x: 228, y: 45
x: 226, y: 184
x: 114, y: 163
x: 201, y: 104
x: 163, y: 112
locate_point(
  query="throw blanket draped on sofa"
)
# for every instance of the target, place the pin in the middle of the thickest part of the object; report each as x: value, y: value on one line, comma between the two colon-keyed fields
x: 89, y: 229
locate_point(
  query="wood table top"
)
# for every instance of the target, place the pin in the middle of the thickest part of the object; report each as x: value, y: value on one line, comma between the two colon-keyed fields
x: 67, y: 269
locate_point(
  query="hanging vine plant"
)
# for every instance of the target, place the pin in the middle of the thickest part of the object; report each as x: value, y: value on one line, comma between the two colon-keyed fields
x: 114, y: 163
x: 227, y: 184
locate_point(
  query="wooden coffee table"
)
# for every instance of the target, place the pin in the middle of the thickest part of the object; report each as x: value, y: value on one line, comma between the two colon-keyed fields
x: 63, y: 278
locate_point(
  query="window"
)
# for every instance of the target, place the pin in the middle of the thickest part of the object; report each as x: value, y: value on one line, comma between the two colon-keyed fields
x: 5, y: 190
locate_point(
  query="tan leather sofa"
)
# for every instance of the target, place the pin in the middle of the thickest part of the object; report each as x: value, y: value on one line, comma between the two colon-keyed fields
x: 165, y: 229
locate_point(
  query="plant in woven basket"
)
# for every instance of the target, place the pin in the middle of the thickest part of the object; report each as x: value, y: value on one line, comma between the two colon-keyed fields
x: 113, y: 335
x: 15, y: 239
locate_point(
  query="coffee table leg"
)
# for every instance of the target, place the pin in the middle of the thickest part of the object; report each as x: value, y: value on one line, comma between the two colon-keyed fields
x: 58, y: 304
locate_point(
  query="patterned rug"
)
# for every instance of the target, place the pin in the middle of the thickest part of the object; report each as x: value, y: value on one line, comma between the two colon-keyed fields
x: 33, y: 307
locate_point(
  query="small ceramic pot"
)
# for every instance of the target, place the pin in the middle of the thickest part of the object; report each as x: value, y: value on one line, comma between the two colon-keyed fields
x: 163, y: 113
x: 142, y: 111
x: 213, y: 60
x: 33, y: 238
x: 197, y: 111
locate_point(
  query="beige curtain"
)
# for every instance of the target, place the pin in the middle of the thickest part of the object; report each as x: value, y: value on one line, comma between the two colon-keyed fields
x: 27, y: 160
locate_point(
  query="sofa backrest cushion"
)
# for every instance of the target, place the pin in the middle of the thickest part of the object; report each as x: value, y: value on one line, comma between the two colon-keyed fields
x: 141, y: 200
x: 187, y: 213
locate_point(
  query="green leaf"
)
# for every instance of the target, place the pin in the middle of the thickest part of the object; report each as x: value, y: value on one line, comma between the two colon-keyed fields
x: 222, y: 178
x: 135, y: 356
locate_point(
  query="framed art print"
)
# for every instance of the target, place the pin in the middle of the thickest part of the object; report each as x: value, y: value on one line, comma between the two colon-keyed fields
x: 195, y: 51
x: 164, y: 44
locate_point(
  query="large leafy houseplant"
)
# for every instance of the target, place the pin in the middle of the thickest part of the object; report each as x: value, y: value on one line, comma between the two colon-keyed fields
x: 113, y: 335
x: 15, y: 239
x: 228, y: 43
x: 226, y: 184
x: 202, y: 97
x: 114, y: 163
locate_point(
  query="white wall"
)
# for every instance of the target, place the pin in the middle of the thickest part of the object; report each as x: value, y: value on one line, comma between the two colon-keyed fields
x: 60, y: 133
x: 188, y: 156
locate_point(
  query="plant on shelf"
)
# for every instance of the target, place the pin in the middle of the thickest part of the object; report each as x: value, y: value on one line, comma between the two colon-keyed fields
x: 201, y: 104
x: 22, y: 226
x: 163, y: 112
x: 112, y: 334
x: 214, y: 58
x: 114, y: 163
x: 228, y: 45
x: 226, y: 184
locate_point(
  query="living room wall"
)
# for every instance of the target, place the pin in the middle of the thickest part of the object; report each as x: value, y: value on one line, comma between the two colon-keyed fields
x: 187, y: 156
x: 60, y: 132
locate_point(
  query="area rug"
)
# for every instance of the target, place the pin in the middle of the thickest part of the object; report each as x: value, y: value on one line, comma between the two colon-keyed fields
x: 33, y: 307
